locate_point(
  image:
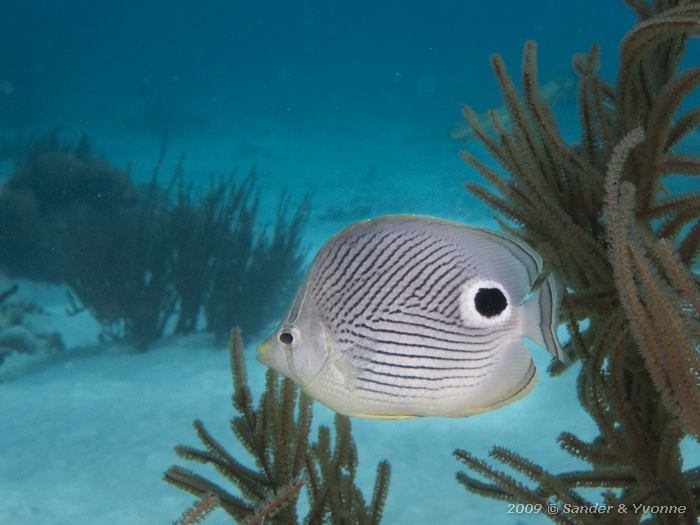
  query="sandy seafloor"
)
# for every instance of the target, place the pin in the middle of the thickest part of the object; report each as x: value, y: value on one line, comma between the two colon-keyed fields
x: 87, y: 433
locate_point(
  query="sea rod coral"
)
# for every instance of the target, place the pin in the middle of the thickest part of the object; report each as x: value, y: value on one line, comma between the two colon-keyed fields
x: 276, y: 435
x: 602, y: 217
x: 139, y: 256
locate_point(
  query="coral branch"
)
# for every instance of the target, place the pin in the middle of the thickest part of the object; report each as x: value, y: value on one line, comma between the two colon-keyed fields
x: 623, y: 245
x: 198, y: 511
x: 276, y: 433
x: 280, y: 498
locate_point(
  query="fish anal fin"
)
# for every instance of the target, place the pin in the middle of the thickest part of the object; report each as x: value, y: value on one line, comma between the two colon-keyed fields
x: 383, y: 416
x: 515, y: 378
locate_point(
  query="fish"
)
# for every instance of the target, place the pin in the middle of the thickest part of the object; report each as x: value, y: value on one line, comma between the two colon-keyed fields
x: 554, y: 93
x: 407, y: 315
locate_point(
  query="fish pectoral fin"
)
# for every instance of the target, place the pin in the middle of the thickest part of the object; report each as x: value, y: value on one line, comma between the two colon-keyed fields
x: 345, y: 372
x: 355, y: 363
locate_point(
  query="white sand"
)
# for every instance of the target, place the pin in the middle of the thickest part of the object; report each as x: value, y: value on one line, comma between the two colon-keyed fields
x: 90, y: 431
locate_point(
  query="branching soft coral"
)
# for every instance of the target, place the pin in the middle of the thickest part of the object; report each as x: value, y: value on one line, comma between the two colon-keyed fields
x: 276, y: 435
x: 599, y: 214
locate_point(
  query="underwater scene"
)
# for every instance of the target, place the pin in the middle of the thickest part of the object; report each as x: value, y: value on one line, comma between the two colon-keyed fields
x: 333, y: 262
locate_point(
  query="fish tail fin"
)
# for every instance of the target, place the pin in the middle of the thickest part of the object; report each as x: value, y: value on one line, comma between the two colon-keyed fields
x: 542, y: 314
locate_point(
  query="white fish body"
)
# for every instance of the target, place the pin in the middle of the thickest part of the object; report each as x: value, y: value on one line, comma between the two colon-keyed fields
x: 404, y: 316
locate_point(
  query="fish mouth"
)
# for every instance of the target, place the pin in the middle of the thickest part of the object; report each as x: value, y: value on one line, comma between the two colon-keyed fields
x: 263, y: 350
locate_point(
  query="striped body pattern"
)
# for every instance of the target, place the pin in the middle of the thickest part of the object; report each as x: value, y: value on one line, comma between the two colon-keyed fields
x: 405, y: 316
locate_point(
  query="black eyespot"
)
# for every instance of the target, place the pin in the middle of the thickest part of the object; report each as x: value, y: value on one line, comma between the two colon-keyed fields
x: 286, y: 338
x: 490, y: 302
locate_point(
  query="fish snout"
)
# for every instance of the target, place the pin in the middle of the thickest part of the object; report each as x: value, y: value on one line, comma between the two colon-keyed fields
x: 264, y: 350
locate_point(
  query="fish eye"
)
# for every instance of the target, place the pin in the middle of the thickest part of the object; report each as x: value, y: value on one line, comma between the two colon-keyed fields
x: 490, y: 302
x: 286, y: 337
x: 289, y: 335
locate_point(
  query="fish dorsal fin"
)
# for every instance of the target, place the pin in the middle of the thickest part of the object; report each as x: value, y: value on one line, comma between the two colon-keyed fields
x: 295, y: 308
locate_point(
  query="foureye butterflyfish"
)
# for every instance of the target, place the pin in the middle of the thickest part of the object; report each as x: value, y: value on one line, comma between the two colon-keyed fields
x: 403, y: 316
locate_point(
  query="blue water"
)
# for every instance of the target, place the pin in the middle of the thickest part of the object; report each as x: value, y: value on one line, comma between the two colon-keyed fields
x: 302, y: 63
x: 349, y: 100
